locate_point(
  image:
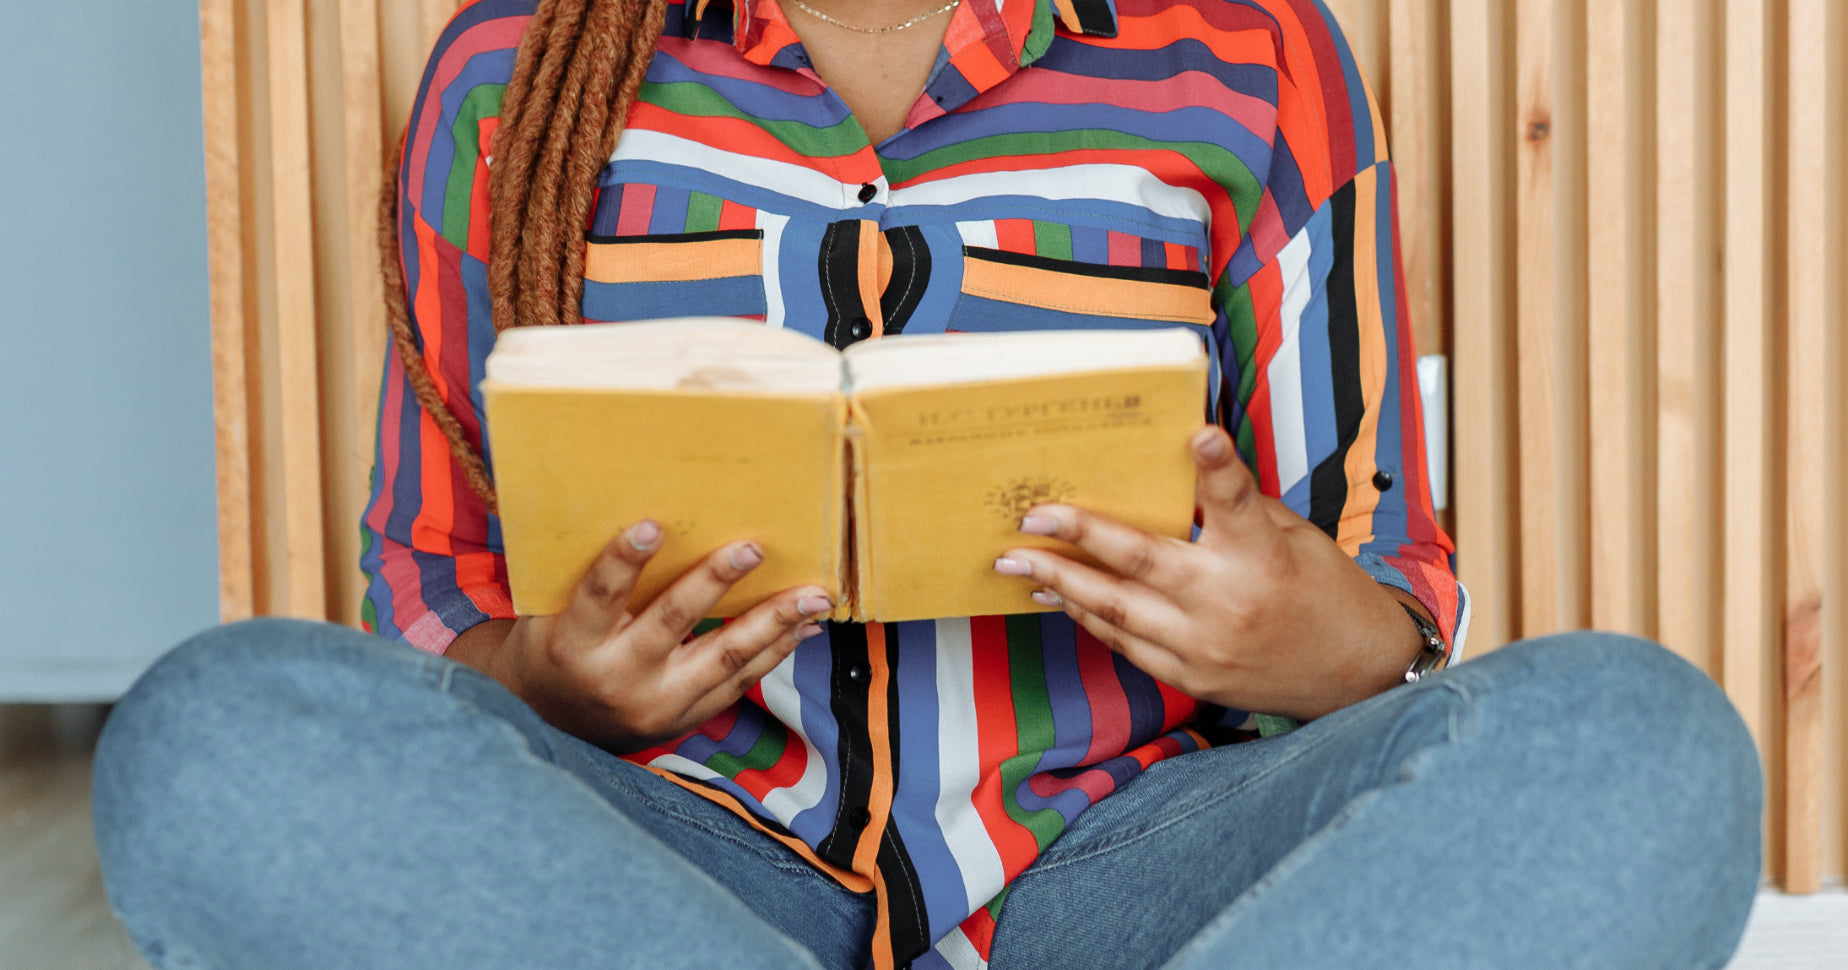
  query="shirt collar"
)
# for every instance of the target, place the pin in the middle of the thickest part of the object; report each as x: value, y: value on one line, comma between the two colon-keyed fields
x: 757, y: 25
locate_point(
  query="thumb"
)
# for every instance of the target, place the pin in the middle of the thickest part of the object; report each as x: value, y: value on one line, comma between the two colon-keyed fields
x: 1223, y: 487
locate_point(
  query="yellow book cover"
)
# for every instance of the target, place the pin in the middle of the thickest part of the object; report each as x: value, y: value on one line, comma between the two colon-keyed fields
x: 891, y: 475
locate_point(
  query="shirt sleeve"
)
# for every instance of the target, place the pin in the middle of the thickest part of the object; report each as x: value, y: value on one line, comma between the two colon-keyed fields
x: 1321, y: 387
x: 430, y: 548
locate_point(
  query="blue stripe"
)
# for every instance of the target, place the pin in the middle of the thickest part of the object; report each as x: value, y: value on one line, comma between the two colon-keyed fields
x: 731, y: 296
x: 814, y: 680
x: 489, y: 67
x: 915, y: 797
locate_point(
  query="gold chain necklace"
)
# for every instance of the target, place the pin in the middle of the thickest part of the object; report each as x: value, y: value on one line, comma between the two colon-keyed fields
x: 920, y: 18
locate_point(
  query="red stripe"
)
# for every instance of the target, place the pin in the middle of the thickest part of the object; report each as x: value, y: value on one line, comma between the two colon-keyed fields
x: 997, y: 740
x: 1266, y: 287
x: 1014, y: 235
x: 1125, y: 249
x: 735, y: 216
x: 501, y: 34
x: 1103, y: 691
x: 638, y: 199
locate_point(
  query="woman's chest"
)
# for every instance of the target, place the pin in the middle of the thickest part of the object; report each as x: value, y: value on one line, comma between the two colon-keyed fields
x: 759, y: 196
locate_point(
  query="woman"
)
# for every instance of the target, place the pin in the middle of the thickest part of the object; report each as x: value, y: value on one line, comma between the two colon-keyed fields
x: 1037, y: 790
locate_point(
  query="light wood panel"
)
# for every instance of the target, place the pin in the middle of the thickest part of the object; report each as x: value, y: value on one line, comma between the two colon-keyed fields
x: 1621, y: 438
x: 1622, y: 221
x: 1687, y: 263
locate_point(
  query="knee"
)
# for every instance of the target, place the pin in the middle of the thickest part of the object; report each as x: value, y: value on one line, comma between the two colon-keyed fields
x: 179, y: 751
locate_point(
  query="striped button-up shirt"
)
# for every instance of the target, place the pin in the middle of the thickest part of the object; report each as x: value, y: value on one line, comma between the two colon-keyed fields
x: 1070, y: 163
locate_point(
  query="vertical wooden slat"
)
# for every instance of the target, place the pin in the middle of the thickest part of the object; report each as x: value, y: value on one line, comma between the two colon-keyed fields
x: 293, y: 204
x: 1419, y: 63
x: 1814, y: 162
x: 1480, y: 221
x: 1687, y: 370
x: 224, y: 179
x: 1621, y: 444
x: 1748, y: 528
x: 1536, y: 334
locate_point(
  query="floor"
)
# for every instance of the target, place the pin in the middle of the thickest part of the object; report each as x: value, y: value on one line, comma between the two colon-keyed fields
x: 53, y: 915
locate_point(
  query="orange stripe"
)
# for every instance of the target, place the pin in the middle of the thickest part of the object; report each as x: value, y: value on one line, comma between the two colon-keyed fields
x: 673, y: 262
x: 1356, y: 526
x: 879, y: 800
x: 1089, y: 295
x: 871, y: 274
x: 853, y: 882
x: 1068, y: 16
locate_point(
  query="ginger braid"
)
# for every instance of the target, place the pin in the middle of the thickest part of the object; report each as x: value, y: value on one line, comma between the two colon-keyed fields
x: 579, y: 67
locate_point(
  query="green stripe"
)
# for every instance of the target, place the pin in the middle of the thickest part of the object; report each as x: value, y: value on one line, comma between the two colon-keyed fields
x: 699, y: 101
x: 706, y: 626
x: 994, y: 905
x: 483, y: 101
x: 703, y: 212
x: 763, y: 754
x: 1026, y: 668
x: 1242, y: 320
x: 1052, y: 240
x: 1215, y: 161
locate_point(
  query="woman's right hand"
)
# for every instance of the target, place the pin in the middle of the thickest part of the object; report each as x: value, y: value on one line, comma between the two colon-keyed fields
x: 628, y: 680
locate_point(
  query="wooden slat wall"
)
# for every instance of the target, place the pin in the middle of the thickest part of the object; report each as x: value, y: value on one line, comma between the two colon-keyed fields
x: 1622, y: 219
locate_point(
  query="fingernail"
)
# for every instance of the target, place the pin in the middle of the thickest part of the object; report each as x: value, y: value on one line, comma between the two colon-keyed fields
x: 746, y: 556
x: 1046, y: 597
x: 645, y: 536
x: 1013, y: 567
x: 1210, y: 444
x: 811, y: 605
x: 1039, y: 525
x: 807, y: 630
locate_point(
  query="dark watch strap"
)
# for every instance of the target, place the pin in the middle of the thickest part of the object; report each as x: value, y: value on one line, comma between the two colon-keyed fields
x: 1433, y: 652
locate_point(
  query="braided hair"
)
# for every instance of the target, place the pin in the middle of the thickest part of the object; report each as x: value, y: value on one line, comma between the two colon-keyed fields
x: 578, y: 69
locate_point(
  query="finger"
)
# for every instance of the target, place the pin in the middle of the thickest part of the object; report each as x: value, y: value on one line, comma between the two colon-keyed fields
x: 666, y: 622
x: 746, y: 648
x: 1151, y: 658
x: 1229, y: 499
x: 1124, y: 604
x: 599, y: 606
x: 1127, y: 551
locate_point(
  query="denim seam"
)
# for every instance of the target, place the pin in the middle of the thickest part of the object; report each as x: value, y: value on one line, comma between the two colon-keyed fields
x: 1284, y: 867
x: 1182, y: 810
x: 445, y: 673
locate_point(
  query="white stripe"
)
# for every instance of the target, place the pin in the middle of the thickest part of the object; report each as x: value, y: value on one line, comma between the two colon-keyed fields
x: 772, y: 225
x: 1285, y: 373
x: 1111, y: 183
x: 795, y: 181
x: 980, y: 234
x: 1461, y: 635
x: 958, y: 764
x: 781, y: 699
x: 959, y: 953
x: 684, y: 766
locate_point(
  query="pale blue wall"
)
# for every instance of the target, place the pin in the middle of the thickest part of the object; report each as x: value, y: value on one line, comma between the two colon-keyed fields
x: 106, y: 483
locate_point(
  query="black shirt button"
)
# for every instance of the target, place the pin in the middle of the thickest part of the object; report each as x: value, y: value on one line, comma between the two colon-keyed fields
x: 860, y: 329
x: 860, y: 818
x: 859, y: 674
x: 867, y: 192
x: 1382, y: 480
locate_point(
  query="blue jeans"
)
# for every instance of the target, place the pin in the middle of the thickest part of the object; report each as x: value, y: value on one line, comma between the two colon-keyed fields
x: 283, y: 794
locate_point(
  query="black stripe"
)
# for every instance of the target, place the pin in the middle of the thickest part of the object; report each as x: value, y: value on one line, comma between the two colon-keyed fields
x: 1328, y: 486
x: 676, y: 237
x: 910, y: 276
x: 1094, y: 17
x: 1143, y: 274
x: 847, y: 701
x: 839, y: 265
x: 904, y: 894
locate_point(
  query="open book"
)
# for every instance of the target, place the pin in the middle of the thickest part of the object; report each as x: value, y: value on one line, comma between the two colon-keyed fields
x: 891, y: 474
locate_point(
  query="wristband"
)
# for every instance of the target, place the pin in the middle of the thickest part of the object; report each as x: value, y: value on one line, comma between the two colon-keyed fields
x: 1433, y: 654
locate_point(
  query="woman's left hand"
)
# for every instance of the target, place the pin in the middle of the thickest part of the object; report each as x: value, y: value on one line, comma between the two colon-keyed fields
x: 1263, y: 613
